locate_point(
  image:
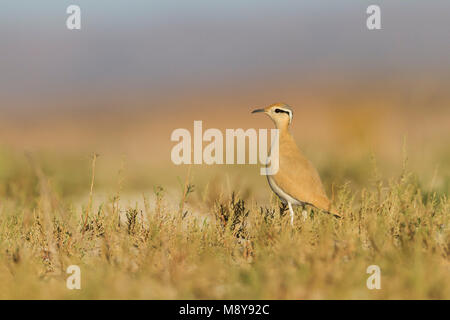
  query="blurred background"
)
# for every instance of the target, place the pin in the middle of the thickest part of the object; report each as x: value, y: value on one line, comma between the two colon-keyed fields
x: 137, y: 70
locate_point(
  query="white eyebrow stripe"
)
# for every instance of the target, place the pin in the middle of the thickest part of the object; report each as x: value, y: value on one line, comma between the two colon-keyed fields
x: 290, y: 115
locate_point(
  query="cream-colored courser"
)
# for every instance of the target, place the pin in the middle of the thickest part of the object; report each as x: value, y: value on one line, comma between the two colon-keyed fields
x: 297, y: 181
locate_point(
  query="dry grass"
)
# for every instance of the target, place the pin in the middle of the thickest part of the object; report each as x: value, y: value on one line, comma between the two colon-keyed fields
x: 144, y: 228
x: 236, y: 248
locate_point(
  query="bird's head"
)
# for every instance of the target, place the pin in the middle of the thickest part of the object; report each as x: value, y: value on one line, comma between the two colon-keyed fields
x: 280, y: 113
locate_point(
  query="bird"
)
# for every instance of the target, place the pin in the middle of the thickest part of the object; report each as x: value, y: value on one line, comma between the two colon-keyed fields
x: 297, y: 182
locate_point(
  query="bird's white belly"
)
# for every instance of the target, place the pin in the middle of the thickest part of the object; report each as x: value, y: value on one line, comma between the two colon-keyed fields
x: 280, y: 193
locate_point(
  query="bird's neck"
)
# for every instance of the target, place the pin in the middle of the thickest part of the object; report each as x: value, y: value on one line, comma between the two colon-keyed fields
x: 284, y: 128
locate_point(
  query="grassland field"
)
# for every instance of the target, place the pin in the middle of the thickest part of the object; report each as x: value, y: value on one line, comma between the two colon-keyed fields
x: 140, y: 227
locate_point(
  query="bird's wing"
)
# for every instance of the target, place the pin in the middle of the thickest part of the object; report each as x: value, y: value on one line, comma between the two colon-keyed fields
x: 298, y: 178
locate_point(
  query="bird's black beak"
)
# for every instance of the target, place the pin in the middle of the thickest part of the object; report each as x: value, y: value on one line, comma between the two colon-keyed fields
x: 258, y: 110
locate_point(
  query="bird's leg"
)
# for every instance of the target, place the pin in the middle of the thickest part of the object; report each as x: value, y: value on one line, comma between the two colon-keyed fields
x: 292, y: 213
x: 304, y: 213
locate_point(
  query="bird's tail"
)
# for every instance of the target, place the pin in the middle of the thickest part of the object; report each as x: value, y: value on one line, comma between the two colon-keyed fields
x: 335, y: 213
x: 331, y: 210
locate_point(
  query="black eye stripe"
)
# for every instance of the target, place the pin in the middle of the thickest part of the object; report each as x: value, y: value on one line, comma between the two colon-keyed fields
x: 282, y: 111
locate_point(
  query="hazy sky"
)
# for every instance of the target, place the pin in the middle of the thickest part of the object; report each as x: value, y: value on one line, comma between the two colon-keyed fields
x: 156, y: 45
